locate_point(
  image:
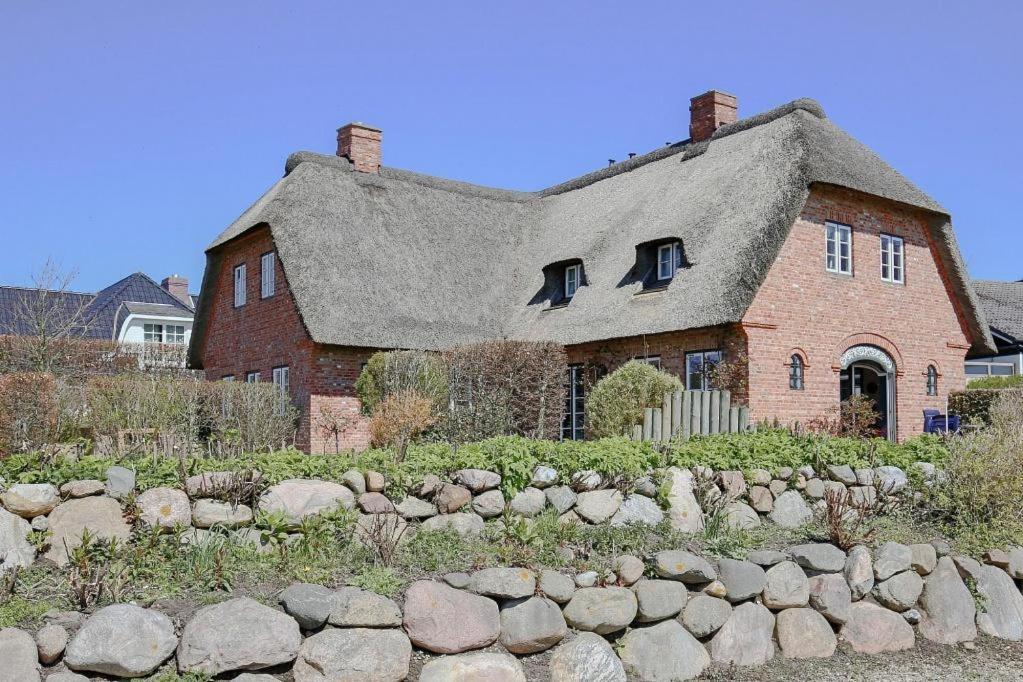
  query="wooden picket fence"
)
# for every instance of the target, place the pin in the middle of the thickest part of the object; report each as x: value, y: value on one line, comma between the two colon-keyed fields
x: 690, y: 413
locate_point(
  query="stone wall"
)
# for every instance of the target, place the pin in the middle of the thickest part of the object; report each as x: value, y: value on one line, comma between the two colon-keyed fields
x: 670, y: 615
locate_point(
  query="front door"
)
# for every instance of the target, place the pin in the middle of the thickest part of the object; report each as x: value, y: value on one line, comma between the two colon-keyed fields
x: 870, y: 381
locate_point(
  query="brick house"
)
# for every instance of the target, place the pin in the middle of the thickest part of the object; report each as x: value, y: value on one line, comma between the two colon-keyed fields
x: 777, y: 237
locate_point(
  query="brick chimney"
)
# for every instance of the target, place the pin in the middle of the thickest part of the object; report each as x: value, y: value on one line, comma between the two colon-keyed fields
x: 360, y: 144
x: 178, y: 288
x: 710, y: 111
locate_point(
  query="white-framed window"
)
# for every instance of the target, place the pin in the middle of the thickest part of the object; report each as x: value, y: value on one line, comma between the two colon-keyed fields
x: 152, y: 333
x: 700, y: 369
x: 252, y: 378
x: 573, y: 279
x: 932, y: 380
x: 573, y: 425
x: 282, y: 380
x: 239, y: 285
x: 893, y: 259
x: 174, y: 333
x: 267, y: 286
x: 669, y: 260
x: 652, y: 360
x: 227, y: 377
x: 838, y: 253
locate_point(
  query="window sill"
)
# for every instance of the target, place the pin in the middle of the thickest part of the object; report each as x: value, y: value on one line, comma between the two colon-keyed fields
x: 653, y: 290
x: 843, y: 275
x: 557, y: 306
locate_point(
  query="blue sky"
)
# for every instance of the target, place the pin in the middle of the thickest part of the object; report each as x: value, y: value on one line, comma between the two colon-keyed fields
x: 131, y: 133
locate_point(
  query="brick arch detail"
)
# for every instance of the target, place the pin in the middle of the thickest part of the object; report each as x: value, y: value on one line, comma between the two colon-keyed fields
x: 869, y: 339
x: 796, y: 350
x: 928, y: 362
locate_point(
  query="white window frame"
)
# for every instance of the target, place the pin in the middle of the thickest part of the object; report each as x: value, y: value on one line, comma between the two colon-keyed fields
x: 252, y: 377
x: 893, y: 259
x: 282, y: 380
x: 174, y: 333
x: 227, y: 377
x: 573, y: 425
x: 239, y: 285
x: 267, y: 283
x: 838, y: 234
x: 704, y: 376
x: 152, y: 329
x: 652, y: 360
x: 573, y: 279
x: 667, y: 268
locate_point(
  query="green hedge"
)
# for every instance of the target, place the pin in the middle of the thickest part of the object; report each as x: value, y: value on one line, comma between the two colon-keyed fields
x: 513, y: 457
x: 974, y: 404
x: 1014, y: 381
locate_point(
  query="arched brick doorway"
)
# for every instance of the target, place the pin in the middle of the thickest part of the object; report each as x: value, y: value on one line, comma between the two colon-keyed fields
x: 869, y: 371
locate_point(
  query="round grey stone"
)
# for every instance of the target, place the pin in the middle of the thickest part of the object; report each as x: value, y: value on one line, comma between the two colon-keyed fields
x: 561, y: 497
x: 29, y: 500
x: 742, y: 579
x: 588, y: 657
x: 601, y: 609
x: 209, y: 513
x: 503, y: 583
x: 628, y: 568
x: 444, y: 620
x: 872, y: 629
x: 18, y: 656
x: 531, y: 625
x: 659, y: 599
x: 414, y: 508
x: 746, y: 638
x: 492, y: 667
x: 704, y: 615
x: 543, y: 477
x: 354, y: 654
x: 830, y: 595
x: 684, y: 566
x: 597, y: 506
x: 637, y: 509
x: 310, y: 605
x: 899, y: 592
x: 357, y: 608
x: 891, y: 558
x: 528, y: 502
x: 51, y: 640
x: 859, y: 572
x: 786, y: 586
x: 477, y: 480
x: 662, y: 652
x: 461, y: 523
x: 122, y: 640
x: 822, y: 557
x: 804, y: 633
x: 790, y: 510
x: 489, y: 505
x: 557, y: 586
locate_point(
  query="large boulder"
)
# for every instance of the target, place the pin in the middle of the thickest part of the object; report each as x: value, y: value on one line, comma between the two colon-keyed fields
x: 556, y: 586
x: 531, y: 625
x: 561, y: 497
x: 830, y: 595
x: 704, y: 615
x: 503, y: 583
x: 461, y: 523
x: 601, y: 609
x: 353, y: 655
x: 637, y: 509
x: 208, y: 513
x: 786, y: 586
x: 101, y: 516
x: 745, y: 638
x: 120, y: 482
x: 489, y: 505
x: 122, y: 640
x: 859, y: 572
x: 804, y: 633
x: 597, y: 506
x: 18, y: 660
x: 528, y: 503
x: 662, y: 652
x: 822, y: 557
x: 872, y: 629
x: 891, y: 558
x: 29, y: 500
x: 659, y: 599
x: 15, y: 549
x: 357, y: 608
x: 491, y: 667
x: 310, y: 605
x: 900, y: 592
x: 947, y: 608
x: 477, y: 480
x: 298, y: 498
x: 890, y: 479
x: 449, y: 498
x: 790, y: 510
x: 164, y: 508
x: 741, y: 516
x: 444, y: 620
x: 414, y: 508
x: 684, y: 566
x: 742, y: 579
x: 238, y: 634
x: 586, y: 658
x: 1002, y: 612
x: 684, y: 510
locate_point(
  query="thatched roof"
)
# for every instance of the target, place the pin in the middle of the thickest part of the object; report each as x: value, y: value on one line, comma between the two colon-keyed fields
x: 406, y: 260
x: 1002, y: 303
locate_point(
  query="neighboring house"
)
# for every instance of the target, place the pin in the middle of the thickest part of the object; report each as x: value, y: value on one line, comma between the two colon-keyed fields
x: 777, y: 237
x: 1002, y: 303
x: 133, y: 311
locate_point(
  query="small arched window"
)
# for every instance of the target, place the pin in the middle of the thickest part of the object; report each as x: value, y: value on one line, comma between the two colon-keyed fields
x: 932, y: 380
x: 796, y: 372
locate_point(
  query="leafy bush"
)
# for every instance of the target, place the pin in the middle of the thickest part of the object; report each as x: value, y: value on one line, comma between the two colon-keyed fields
x: 617, y: 401
x: 28, y: 411
x: 1014, y: 381
x: 393, y: 372
x: 980, y: 499
x: 974, y: 405
x: 399, y: 419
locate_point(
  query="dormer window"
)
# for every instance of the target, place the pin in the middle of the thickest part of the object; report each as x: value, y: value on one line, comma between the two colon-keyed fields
x: 669, y: 260
x: 573, y: 279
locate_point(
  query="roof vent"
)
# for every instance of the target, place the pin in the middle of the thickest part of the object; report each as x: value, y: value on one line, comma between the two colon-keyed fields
x: 360, y: 144
x: 710, y: 111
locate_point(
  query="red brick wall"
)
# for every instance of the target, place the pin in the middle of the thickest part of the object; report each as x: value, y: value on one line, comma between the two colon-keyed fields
x: 268, y: 333
x: 671, y: 347
x: 803, y: 308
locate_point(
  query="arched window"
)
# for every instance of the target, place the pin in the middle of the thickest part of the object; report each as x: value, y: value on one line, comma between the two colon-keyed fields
x: 932, y: 380
x: 796, y: 372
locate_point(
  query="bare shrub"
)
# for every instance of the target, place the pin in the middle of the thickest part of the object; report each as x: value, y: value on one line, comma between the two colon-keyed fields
x: 849, y: 519
x: 333, y: 423
x: 393, y: 372
x: 28, y: 411
x: 383, y: 535
x: 399, y: 419
x: 854, y: 417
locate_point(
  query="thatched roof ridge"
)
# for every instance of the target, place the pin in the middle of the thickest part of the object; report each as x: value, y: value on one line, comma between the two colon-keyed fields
x: 402, y: 259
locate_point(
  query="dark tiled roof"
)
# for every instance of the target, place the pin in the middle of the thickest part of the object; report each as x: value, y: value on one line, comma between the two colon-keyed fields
x: 101, y: 314
x: 1002, y: 303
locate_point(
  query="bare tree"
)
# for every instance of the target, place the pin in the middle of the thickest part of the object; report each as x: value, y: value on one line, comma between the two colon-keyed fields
x: 47, y: 325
